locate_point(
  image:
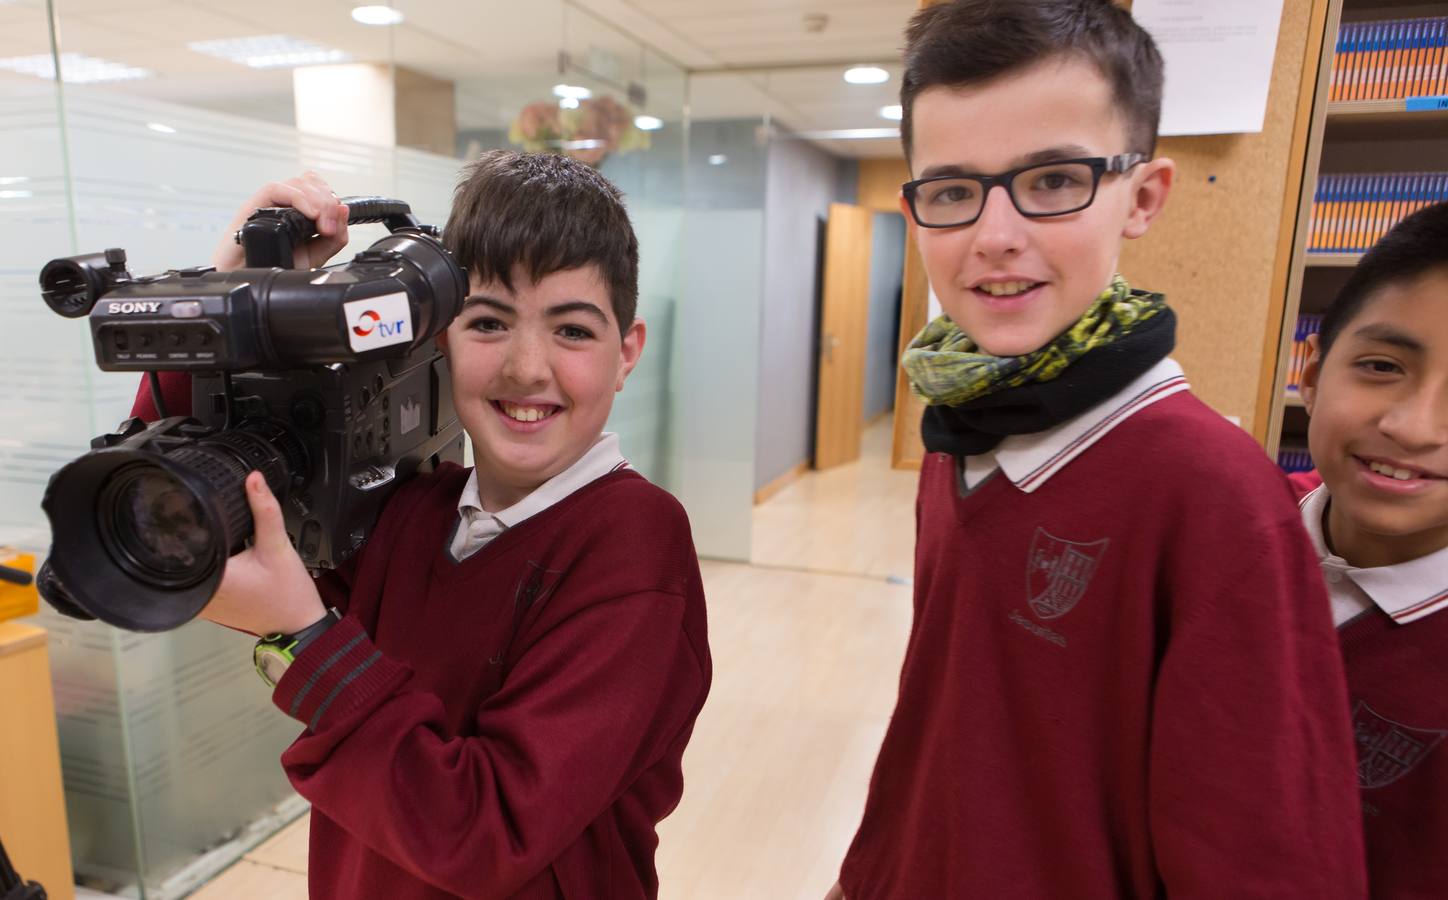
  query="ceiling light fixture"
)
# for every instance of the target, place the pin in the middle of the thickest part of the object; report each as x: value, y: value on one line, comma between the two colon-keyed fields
x: 269, y: 51
x: 157, y: 126
x: 893, y: 113
x: 568, y: 103
x: 866, y: 75
x: 377, y: 15
x: 718, y: 159
x: 75, y: 68
x: 571, y: 92
x: 648, y: 123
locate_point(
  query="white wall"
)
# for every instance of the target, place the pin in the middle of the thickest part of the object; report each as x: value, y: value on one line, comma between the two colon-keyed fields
x: 800, y: 183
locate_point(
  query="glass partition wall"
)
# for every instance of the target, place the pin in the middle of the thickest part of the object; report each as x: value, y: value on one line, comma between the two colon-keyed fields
x: 164, y: 117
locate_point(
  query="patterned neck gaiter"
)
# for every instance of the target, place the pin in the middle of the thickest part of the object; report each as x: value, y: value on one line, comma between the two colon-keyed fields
x: 974, y: 400
x: 946, y: 368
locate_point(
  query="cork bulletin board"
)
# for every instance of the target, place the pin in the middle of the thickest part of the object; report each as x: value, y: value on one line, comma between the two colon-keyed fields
x: 1220, y: 250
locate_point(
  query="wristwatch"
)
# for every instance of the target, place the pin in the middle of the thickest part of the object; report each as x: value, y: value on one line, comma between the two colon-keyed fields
x: 275, y: 652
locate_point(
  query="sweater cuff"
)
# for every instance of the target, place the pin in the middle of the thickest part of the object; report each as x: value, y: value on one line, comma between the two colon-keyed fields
x: 339, y: 672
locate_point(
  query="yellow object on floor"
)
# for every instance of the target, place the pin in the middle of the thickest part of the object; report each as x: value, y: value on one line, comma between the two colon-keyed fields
x: 17, y: 600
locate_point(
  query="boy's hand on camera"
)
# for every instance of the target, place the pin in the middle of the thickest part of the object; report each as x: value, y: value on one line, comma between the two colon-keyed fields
x: 309, y: 195
x: 266, y: 589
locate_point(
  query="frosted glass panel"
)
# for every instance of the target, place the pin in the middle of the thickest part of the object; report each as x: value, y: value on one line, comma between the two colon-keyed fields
x: 45, y: 402
x: 169, y: 743
x: 716, y: 352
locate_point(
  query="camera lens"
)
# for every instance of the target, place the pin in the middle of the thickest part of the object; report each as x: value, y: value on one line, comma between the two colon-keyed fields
x: 142, y: 530
x: 155, y: 527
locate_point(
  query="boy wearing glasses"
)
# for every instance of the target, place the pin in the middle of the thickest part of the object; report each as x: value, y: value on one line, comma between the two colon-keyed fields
x: 1122, y: 680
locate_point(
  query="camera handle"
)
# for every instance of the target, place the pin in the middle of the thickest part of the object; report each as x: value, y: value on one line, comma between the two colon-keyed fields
x: 273, y: 233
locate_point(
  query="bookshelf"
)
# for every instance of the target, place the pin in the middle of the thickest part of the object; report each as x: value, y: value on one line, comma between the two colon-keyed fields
x: 1380, y: 108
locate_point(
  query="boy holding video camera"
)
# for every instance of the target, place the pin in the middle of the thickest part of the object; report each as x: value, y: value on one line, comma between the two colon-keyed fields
x: 498, y: 689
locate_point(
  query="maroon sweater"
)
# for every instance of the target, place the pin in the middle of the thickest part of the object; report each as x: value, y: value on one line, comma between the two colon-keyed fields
x: 1397, y: 678
x: 1110, y: 690
x: 507, y: 726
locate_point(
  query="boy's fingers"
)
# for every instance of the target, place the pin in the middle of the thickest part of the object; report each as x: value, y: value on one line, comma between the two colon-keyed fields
x: 268, y: 527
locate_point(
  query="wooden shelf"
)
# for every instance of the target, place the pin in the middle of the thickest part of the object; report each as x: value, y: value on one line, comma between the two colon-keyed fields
x: 1331, y: 260
x: 1390, y: 120
x: 1385, y: 109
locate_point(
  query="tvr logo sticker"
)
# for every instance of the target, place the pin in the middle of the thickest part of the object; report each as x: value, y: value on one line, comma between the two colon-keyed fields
x: 370, y: 321
x: 1059, y: 571
x: 378, y: 322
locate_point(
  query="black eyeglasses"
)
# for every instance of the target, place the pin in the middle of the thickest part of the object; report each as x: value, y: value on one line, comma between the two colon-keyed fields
x: 1046, y: 189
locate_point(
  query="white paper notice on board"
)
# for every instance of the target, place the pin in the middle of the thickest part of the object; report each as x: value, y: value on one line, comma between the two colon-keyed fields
x: 1218, y: 57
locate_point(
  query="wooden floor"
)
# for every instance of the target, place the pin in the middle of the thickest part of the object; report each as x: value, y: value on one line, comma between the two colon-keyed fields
x: 807, y: 643
x: 857, y: 518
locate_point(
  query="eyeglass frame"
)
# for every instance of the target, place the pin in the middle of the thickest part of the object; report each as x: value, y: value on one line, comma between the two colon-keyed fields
x: 1101, y: 166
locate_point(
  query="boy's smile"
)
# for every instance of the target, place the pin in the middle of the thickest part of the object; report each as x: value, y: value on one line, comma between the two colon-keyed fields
x: 534, y: 370
x: 1014, y: 283
x: 1379, y: 428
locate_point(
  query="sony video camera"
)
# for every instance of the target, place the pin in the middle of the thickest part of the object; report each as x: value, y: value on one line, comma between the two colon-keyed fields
x: 328, y: 381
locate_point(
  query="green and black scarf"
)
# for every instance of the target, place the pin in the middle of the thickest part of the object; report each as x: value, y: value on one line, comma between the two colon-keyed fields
x: 974, y: 400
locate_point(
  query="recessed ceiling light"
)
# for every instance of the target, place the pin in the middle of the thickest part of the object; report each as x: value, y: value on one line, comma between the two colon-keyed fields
x: 14, y: 179
x: 377, y: 15
x: 893, y: 113
x: 866, y: 75
x: 648, y: 123
x: 568, y: 103
x: 571, y: 92
x: 75, y: 68
x: 269, y: 51
x: 15, y: 195
x: 718, y: 159
x: 157, y: 126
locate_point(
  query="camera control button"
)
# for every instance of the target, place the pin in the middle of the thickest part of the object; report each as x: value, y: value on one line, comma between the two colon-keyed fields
x: 195, y: 271
x: 186, y: 309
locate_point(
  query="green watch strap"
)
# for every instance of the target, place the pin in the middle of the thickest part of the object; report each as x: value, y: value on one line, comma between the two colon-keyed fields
x: 306, y: 636
x: 275, y: 653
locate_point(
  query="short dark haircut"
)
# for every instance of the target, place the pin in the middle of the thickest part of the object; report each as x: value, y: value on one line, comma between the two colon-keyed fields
x: 969, y: 42
x: 547, y: 213
x: 1414, y: 247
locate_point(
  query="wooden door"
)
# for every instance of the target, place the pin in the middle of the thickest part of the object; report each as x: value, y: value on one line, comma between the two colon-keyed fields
x: 844, y: 318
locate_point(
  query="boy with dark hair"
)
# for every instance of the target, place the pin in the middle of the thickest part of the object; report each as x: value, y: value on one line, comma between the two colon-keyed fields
x: 1376, y: 387
x: 498, y: 689
x: 1109, y: 689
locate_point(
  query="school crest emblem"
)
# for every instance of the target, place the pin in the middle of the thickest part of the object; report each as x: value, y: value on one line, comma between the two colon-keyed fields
x: 1388, y: 750
x: 1059, y: 571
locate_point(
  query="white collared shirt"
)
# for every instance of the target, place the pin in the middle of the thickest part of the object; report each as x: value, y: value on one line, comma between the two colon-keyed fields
x: 477, y: 527
x: 1406, y: 592
x: 1029, y: 460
